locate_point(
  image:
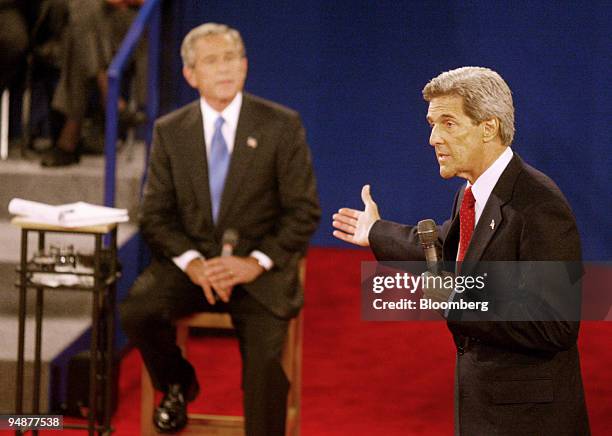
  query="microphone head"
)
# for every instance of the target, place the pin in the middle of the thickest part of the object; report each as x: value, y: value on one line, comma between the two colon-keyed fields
x: 230, y: 237
x: 427, y: 231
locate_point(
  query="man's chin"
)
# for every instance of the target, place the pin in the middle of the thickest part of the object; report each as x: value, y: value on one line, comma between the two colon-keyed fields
x: 446, y: 173
x: 227, y: 94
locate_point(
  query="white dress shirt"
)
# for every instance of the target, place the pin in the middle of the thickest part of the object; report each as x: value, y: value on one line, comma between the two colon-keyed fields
x: 209, y: 116
x: 483, y: 186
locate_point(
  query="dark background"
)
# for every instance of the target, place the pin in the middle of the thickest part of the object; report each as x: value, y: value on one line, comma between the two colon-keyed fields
x: 355, y: 71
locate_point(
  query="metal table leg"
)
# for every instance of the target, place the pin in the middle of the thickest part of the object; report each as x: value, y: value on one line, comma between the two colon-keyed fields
x: 38, y: 340
x: 94, y: 347
x: 110, y: 332
x: 22, y: 315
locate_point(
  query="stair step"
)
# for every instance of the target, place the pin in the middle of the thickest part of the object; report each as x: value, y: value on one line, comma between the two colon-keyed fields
x: 25, y: 178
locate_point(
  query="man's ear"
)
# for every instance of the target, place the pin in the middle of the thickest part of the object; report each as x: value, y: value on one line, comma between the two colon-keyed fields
x: 245, y: 65
x: 190, y: 77
x: 490, y: 129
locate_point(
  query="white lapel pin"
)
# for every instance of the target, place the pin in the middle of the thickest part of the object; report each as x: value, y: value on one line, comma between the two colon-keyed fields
x: 492, y: 225
x: 251, y: 142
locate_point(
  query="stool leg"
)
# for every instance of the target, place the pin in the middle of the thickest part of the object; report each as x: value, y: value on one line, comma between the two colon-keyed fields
x: 298, y: 375
x: 182, y: 335
x: 147, y: 404
x: 292, y: 363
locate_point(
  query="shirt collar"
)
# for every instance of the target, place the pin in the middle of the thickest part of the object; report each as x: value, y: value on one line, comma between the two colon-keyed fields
x: 230, y: 114
x: 483, y: 186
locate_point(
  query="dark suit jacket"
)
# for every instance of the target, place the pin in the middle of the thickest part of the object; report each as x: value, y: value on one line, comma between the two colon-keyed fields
x: 512, y: 378
x: 269, y: 197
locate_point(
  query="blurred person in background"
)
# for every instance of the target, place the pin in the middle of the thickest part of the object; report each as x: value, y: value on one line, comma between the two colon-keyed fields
x: 93, y: 34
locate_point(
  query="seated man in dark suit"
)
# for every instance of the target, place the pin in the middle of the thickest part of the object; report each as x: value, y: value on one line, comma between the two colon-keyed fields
x: 513, y: 378
x: 227, y: 161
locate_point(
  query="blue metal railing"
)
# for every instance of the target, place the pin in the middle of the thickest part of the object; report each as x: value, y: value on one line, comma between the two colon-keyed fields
x: 149, y: 14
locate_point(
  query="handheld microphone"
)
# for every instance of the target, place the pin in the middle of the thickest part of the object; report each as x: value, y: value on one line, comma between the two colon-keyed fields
x: 229, y: 242
x: 428, y: 235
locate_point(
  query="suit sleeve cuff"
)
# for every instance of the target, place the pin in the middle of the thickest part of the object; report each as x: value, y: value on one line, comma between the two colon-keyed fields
x: 264, y: 261
x: 183, y: 260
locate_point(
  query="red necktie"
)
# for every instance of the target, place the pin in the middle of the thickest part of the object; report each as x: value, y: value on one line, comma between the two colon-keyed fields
x: 467, y: 219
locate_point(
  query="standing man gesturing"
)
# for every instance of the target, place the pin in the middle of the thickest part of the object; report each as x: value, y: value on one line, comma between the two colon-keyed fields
x: 512, y: 378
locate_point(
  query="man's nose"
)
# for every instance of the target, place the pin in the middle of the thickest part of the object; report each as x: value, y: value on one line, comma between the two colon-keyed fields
x: 222, y: 66
x: 434, y: 137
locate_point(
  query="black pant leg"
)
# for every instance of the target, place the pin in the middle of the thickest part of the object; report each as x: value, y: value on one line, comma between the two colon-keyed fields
x: 13, y: 45
x: 161, y: 295
x: 261, y: 335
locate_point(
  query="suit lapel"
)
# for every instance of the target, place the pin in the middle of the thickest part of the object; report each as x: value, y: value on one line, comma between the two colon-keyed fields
x: 487, y: 225
x: 451, y: 241
x: 242, y: 156
x: 195, y: 158
x: 492, y: 216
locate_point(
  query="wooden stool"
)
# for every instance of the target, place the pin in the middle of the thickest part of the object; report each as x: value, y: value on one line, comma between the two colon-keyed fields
x: 222, y: 424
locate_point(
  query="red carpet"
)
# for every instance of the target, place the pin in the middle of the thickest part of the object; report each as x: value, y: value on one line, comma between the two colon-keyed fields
x: 362, y: 378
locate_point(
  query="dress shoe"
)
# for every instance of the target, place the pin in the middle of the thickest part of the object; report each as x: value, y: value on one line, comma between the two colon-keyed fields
x: 56, y: 157
x: 171, y: 414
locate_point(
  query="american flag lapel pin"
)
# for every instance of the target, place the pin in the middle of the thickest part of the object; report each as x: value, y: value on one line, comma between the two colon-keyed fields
x: 251, y: 142
x: 492, y: 225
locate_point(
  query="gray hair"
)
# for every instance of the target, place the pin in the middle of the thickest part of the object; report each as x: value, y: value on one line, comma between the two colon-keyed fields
x: 203, y: 30
x: 485, y: 95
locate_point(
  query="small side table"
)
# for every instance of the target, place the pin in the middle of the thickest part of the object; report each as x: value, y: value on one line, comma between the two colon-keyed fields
x: 102, y: 313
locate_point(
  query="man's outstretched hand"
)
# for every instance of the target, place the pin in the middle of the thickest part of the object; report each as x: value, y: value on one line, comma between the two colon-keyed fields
x: 354, y: 226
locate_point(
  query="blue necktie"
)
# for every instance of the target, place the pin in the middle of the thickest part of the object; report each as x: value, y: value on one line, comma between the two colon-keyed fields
x: 217, y: 168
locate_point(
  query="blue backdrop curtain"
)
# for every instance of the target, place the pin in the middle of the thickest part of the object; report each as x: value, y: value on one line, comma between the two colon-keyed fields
x: 355, y: 71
